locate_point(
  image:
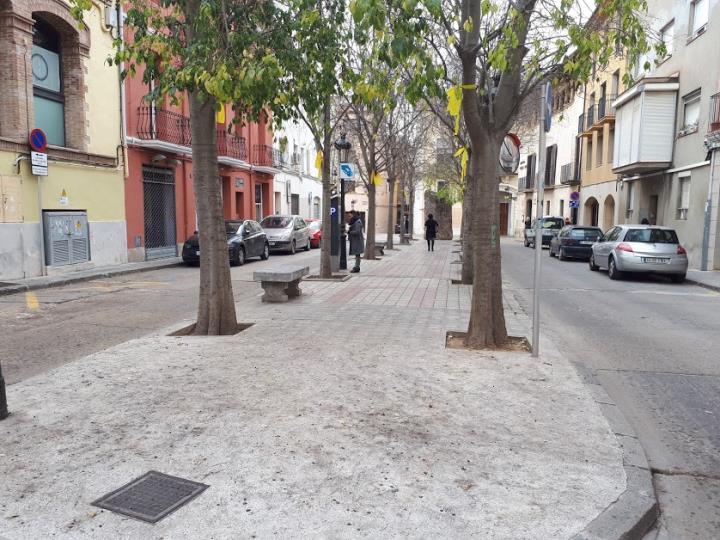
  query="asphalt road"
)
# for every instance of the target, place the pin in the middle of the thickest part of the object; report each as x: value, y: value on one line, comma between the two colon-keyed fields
x: 75, y: 320
x: 655, y: 348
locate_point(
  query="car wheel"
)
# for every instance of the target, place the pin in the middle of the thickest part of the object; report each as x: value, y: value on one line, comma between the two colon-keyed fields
x: 593, y: 267
x: 551, y: 252
x: 308, y: 246
x: 613, y: 272
x: 266, y: 253
x: 527, y: 244
x: 240, y: 257
x: 561, y: 255
x: 677, y: 278
x: 293, y: 248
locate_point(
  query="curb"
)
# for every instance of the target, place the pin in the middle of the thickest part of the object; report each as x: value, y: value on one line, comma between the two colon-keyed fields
x: 715, y: 288
x: 636, y: 510
x: 58, y: 281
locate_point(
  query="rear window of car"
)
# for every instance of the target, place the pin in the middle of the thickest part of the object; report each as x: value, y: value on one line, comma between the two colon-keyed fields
x: 315, y: 225
x: 553, y: 223
x: 651, y: 236
x: 276, y: 222
x: 585, y: 234
x: 232, y: 227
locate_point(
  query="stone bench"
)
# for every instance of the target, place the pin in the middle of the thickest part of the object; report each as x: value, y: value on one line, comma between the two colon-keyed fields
x: 281, y: 283
x: 380, y: 249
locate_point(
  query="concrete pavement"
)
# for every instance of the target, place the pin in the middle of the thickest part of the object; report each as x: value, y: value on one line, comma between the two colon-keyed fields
x: 339, y: 415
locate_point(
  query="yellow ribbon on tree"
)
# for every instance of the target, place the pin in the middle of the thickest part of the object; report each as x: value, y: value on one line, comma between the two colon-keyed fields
x: 319, y: 161
x: 455, y: 97
x: 376, y: 178
x: 463, y: 154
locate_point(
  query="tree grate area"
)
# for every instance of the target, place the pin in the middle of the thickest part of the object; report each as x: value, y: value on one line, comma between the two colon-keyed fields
x: 151, y: 497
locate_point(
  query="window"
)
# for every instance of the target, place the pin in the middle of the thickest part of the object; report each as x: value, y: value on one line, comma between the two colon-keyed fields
x: 316, y: 208
x: 698, y: 16
x: 599, y: 151
x: 530, y: 169
x: 48, y: 98
x: 683, y: 197
x: 550, y: 164
x: 562, y: 207
x: 629, y: 200
x: 691, y: 111
x: 258, y: 201
x: 588, y: 161
x: 611, y: 144
x: 652, y: 236
x: 547, y: 208
x: 667, y: 34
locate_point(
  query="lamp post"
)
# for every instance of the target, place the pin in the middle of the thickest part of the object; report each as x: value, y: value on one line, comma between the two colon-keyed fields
x: 343, y: 146
x: 3, y: 398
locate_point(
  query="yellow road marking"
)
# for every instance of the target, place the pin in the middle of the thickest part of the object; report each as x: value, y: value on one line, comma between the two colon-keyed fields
x: 31, y: 300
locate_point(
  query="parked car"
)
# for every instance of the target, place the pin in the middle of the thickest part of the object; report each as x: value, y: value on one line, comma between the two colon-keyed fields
x: 286, y: 233
x: 550, y: 227
x: 574, y: 241
x: 642, y: 249
x: 315, y: 226
x: 244, y: 239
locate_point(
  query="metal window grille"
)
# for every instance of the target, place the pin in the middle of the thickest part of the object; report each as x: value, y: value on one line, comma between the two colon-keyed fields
x: 159, y: 207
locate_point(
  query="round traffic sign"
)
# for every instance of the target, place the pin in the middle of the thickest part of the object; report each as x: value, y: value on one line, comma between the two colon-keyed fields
x: 38, y: 140
x: 574, y: 196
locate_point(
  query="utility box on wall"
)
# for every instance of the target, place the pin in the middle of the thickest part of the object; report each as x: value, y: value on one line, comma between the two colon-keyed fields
x: 67, y: 239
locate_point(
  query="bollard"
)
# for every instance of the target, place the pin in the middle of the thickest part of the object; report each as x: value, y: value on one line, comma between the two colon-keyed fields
x: 3, y: 398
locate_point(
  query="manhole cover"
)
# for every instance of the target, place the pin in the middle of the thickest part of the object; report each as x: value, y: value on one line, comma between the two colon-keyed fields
x: 151, y: 497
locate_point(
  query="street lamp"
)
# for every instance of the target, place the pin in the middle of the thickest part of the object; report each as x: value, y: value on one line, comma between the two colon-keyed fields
x: 343, y: 146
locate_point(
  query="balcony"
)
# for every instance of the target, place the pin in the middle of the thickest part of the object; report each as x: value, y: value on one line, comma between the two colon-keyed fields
x: 526, y: 184
x: 605, y: 110
x: 163, y: 125
x: 267, y: 156
x: 586, y: 121
x: 567, y: 174
x: 645, y: 126
x: 231, y: 145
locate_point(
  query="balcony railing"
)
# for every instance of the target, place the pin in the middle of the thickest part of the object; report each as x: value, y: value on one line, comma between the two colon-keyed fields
x: 581, y: 123
x: 567, y: 174
x: 590, y: 117
x: 231, y: 145
x: 714, y: 124
x: 268, y: 156
x: 605, y: 108
x: 526, y: 184
x: 163, y: 125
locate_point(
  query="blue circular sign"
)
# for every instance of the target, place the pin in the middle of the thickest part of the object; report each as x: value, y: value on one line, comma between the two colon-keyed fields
x: 38, y: 140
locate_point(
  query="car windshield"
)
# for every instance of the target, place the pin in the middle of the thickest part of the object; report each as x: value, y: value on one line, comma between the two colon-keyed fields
x: 585, y: 234
x: 276, y: 222
x: 553, y: 223
x: 315, y: 225
x: 652, y: 236
x: 232, y: 227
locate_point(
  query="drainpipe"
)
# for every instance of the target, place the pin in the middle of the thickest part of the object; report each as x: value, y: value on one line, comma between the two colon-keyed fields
x: 705, y: 263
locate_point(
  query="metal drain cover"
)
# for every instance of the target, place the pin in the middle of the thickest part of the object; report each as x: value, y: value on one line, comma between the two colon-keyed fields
x: 151, y: 496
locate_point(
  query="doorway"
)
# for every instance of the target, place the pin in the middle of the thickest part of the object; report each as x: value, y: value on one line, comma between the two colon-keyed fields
x: 653, y: 209
x: 159, y: 212
x: 504, y: 213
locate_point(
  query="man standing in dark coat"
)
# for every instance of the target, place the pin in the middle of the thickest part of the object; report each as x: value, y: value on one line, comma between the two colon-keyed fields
x: 357, y: 240
x: 431, y: 227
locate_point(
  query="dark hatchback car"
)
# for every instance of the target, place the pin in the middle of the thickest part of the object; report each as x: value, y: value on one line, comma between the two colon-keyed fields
x: 574, y: 241
x: 244, y: 239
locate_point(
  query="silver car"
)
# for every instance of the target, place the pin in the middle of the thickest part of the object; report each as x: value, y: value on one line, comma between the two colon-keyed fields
x: 642, y: 249
x: 286, y: 233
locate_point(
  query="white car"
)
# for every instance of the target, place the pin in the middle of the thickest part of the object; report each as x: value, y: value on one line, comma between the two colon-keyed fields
x: 286, y: 233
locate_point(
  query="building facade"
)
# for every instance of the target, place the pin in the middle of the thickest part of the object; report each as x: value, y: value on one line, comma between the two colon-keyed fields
x: 297, y: 187
x: 668, y: 125
x: 53, y: 77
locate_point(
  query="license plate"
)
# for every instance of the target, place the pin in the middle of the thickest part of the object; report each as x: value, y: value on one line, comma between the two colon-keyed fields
x: 272, y: 243
x: 587, y: 242
x: 197, y: 253
x: 654, y: 260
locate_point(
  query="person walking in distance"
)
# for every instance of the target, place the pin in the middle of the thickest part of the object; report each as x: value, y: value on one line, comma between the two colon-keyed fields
x: 431, y: 227
x: 357, y: 240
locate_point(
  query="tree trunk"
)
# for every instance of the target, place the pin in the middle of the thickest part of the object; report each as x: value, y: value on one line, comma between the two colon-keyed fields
x: 411, y: 212
x: 326, y: 238
x: 391, y: 214
x: 466, y: 273
x: 216, y: 308
x: 487, y: 318
x: 370, y: 225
